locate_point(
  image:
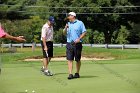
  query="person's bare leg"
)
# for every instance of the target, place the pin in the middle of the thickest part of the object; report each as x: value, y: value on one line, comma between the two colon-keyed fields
x: 49, y: 59
x: 45, y: 63
x: 46, y: 70
x: 78, y: 66
x: 70, y: 66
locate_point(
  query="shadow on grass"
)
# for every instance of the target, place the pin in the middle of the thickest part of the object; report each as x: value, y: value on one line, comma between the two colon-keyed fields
x: 60, y: 73
x: 88, y: 76
x: 80, y: 76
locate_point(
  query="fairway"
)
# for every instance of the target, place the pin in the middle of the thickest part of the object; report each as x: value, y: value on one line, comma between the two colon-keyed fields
x: 120, y: 75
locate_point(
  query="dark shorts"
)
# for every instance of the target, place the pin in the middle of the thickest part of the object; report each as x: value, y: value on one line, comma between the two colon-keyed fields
x: 74, y: 51
x: 50, y: 49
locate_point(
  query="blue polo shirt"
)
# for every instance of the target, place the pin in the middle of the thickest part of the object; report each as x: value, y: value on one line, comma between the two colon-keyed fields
x: 75, y: 30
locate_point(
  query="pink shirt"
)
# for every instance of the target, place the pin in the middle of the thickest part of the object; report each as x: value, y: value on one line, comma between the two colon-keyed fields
x: 2, y: 33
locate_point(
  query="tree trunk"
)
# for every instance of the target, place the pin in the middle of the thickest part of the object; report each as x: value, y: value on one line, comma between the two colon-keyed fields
x: 107, y: 37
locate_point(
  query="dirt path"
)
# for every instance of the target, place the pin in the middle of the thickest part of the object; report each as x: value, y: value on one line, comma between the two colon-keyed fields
x: 64, y: 59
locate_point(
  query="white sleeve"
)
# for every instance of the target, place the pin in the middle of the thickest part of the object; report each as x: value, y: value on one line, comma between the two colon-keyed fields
x: 43, y: 32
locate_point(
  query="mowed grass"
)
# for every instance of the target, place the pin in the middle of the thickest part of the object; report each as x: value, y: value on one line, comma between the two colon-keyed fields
x: 121, y: 75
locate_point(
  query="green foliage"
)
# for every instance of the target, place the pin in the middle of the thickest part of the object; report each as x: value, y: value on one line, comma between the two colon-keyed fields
x: 89, y: 37
x: 122, y: 36
x: 98, y: 37
x: 134, y: 36
x: 59, y: 37
x: 29, y: 28
x: 36, y: 26
x: 95, y: 37
x: 106, y: 24
x: 18, y: 27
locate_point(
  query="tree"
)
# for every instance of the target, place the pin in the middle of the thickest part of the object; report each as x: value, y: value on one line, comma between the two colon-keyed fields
x: 98, y: 37
x: 59, y: 37
x: 10, y: 9
x: 134, y: 37
x: 122, y: 36
x: 36, y: 26
x: 104, y: 20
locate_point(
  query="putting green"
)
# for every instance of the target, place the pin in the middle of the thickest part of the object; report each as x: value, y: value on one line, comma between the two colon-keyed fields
x: 121, y: 75
x: 95, y: 77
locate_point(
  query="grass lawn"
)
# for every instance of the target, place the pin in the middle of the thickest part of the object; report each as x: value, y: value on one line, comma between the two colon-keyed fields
x: 121, y: 75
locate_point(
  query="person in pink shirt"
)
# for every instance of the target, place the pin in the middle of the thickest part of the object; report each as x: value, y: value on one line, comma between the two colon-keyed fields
x: 3, y: 34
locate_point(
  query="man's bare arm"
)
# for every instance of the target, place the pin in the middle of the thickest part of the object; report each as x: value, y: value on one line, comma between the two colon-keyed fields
x: 18, y: 39
x: 81, y: 37
x: 65, y: 29
x: 44, y: 43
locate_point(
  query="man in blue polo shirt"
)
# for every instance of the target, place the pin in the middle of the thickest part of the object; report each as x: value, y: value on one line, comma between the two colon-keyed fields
x: 75, y: 31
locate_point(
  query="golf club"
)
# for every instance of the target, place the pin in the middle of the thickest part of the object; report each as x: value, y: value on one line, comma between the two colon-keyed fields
x: 49, y: 63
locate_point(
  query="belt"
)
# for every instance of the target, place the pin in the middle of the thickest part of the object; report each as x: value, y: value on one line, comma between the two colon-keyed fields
x: 73, y: 43
x: 49, y: 41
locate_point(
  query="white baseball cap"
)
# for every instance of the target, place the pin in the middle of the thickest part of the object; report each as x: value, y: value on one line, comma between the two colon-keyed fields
x: 72, y: 13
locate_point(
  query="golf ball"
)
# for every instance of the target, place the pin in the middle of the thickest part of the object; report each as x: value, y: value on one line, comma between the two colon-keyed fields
x: 26, y: 90
x: 33, y: 91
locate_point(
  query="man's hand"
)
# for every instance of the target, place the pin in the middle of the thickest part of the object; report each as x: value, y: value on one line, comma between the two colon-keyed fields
x: 20, y: 39
x: 45, y: 48
x: 66, y: 26
x: 77, y: 40
x: 65, y: 29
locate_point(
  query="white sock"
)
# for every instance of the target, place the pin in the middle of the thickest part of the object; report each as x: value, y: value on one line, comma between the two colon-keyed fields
x: 46, y: 70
